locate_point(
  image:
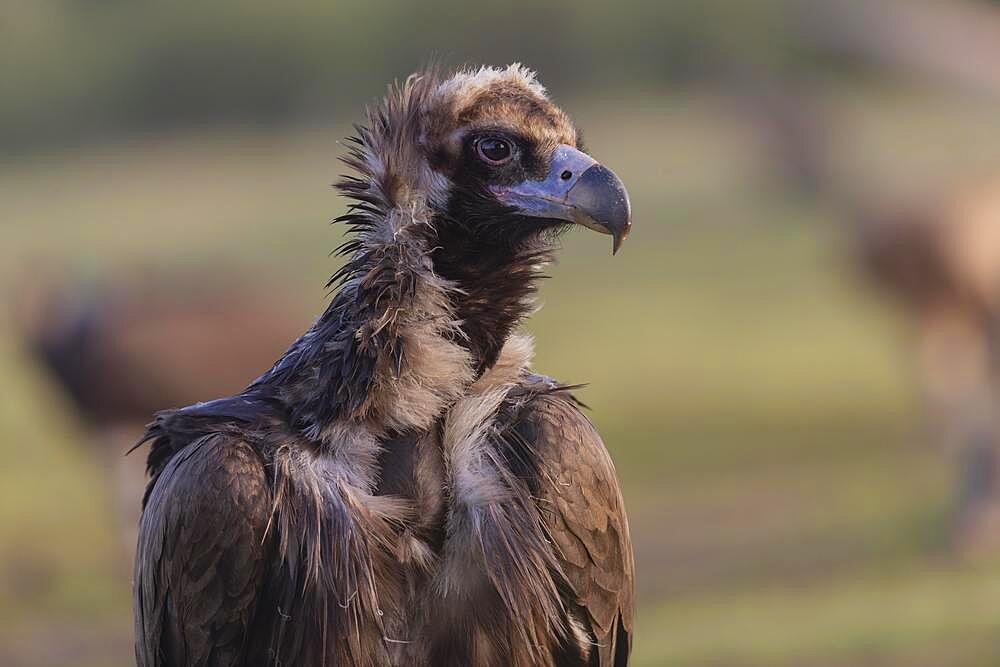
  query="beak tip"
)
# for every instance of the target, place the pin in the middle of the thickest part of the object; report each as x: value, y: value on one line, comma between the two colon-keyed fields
x: 618, y: 237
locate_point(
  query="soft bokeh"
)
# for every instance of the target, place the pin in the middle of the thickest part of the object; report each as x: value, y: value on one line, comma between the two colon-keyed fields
x: 796, y: 469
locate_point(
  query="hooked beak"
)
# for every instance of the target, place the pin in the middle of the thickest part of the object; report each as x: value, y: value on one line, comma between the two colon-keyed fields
x: 577, y: 189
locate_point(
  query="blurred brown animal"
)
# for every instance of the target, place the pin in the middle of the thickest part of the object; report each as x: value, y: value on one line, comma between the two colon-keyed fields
x: 939, y: 258
x: 121, y: 353
x: 942, y: 262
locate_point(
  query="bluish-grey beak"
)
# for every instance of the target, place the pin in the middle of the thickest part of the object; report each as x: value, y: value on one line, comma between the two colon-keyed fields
x: 576, y: 189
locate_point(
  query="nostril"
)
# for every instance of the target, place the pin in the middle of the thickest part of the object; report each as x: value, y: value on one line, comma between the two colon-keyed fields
x: 566, y: 175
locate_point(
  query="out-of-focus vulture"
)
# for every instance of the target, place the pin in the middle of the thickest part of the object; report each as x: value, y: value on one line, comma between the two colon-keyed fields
x: 937, y: 256
x: 941, y: 260
x: 400, y: 488
x: 154, y: 340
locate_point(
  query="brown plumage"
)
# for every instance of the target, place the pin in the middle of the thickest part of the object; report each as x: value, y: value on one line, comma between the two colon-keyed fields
x: 400, y: 489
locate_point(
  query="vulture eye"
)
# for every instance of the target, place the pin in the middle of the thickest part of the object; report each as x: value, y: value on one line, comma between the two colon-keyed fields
x: 494, y: 150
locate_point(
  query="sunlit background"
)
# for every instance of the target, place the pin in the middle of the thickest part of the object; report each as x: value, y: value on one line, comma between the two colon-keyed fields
x: 793, y: 359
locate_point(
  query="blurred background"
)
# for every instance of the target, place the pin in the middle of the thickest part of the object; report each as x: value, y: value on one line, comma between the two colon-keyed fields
x: 805, y: 414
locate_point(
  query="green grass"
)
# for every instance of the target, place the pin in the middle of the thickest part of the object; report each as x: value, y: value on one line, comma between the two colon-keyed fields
x: 898, y: 618
x: 759, y: 404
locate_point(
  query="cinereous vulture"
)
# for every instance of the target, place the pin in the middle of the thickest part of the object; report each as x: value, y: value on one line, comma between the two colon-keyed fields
x: 399, y: 488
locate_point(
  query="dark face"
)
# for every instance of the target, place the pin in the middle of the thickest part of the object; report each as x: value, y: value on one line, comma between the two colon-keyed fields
x: 517, y: 171
x: 494, y: 160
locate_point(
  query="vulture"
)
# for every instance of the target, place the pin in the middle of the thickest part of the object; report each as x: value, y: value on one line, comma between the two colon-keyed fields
x: 400, y: 488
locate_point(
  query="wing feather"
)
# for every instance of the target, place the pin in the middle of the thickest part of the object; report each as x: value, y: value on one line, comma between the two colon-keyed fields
x: 201, y: 554
x: 584, y: 513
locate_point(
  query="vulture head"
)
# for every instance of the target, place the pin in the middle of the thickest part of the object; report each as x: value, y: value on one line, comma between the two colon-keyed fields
x: 471, y: 177
x: 491, y: 156
x: 512, y: 163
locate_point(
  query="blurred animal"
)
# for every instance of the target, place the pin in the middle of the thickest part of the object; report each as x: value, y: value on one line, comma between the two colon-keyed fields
x: 400, y: 488
x: 123, y: 352
x: 152, y: 340
x: 939, y: 258
x: 941, y: 261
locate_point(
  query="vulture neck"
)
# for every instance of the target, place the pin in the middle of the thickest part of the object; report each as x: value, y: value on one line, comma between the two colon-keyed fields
x: 496, y: 287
